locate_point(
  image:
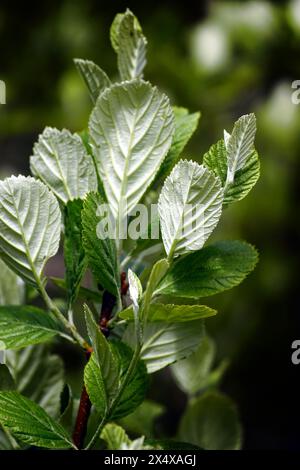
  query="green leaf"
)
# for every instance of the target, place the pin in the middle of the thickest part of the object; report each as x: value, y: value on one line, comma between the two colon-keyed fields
x: 189, y: 206
x: 12, y: 288
x: 157, y: 273
x: 114, y: 31
x: 211, y: 421
x: 245, y: 178
x: 215, y: 268
x: 131, y: 130
x: 100, y: 251
x: 107, y: 360
x: 6, y: 380
x: 93, y: 76
x: 142, y: 420
x: 132, y: 46
x: 74, y: 254
x: 30, y: 423
x: 21, y: 326
x: 171, y: 313
x: 30, y: 226
x: 185, y: 126
x: 165, y: 343
x: 39, y: 375
x: 134, y: 392
x: 114, y: 436
x: 240, y: 145
x: 83, y: 292
x: 61, y: 161
x: 191, y: 373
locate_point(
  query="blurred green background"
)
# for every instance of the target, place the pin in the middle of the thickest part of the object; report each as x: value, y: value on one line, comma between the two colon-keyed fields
x: 225, y: 58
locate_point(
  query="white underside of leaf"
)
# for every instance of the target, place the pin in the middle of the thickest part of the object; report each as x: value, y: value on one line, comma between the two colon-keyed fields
x: 131, y: 129
x: 190, y: 205
x: 61, y: 161
x: 30, y: 225
x: 240, y: 144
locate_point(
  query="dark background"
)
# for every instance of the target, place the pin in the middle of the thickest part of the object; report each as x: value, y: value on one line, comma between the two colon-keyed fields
x: 225, y: 59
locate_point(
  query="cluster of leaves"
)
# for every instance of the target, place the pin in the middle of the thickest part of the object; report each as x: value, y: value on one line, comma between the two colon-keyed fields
x: 132, y: 146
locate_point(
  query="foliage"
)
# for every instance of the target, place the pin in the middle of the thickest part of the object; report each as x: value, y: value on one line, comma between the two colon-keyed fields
x: 131, y: 149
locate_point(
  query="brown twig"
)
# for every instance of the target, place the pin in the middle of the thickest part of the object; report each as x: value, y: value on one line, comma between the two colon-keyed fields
x: 108, y: 303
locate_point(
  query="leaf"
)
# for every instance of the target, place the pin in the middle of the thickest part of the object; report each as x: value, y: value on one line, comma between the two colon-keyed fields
x: 189, y: 206
x: 74, y: 254
x: 114, y: 31
x: 191, y: 373
x: 185, y: 126
x: 142, y: 420
x: 107, y: 360
x: 6, y: 380
x: 30, y: 226
x: 157, y: 273
x: 93, y: 76
x: 39, y: 375
x: 215, y: 268
x: 135, y: 289
x: 134, y: 392
x: 131, y: 130
x: 171, y: 313
x: 211, y: 422
x: 30, y: 423
x: 240, y: 145
x: 100, y: 251
x: 61, y: 161
x: 12, y: 288
x: 165, y: 343
x: 83, y: 292
x: 114, y: 436
x: 245, y: 178
x: 21, y: 326
x: 131, y: 48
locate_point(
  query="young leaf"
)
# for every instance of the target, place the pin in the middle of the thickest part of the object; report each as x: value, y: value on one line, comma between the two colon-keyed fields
x: 171, y: 313
x: 165, y: 343
x: 114, y: 436
x: 132, y: 46
x: 245, y: 178
x: 132, y: 396
x: 131, y: 130
x: 107, y: 360
x: 185, y: 126
x: 190, y: 205
x: 211, y: 422
x: 6, y: 380
x: 61, y: 162
x: 74, y: 254
x: 30, y: 423
x: 170, y: 444
x: 135, y: 289
x: 30, y: 226
x: 215, y: 268
x: 94, y: 77
x: 12, y: 288
x: 114, y: 31
x: 191, y: 373
x: 21, y: 326
x: 100, y: 251
x: 38, y: 375
x: 240, y: 145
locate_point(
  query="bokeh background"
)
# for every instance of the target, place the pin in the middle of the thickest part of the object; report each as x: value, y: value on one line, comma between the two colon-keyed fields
x: 225, y: 58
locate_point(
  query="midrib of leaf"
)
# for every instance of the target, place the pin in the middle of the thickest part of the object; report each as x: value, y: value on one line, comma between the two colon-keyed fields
x: 60, y: 171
